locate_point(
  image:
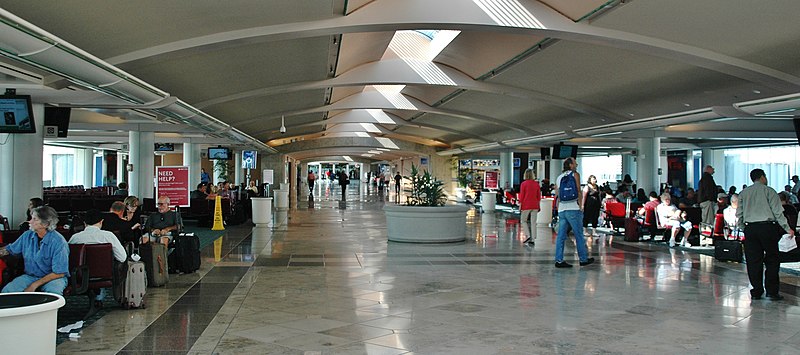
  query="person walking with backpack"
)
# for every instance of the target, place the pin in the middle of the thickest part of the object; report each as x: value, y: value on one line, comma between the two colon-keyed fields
x: 570, y: 214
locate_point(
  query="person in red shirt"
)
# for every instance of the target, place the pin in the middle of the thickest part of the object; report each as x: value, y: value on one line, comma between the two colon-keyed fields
x: 530, y: 195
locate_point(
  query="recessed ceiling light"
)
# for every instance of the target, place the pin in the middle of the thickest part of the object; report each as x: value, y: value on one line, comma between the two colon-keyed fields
x: 687, y: 105
x: 756, y: 91
x: 630, y: 114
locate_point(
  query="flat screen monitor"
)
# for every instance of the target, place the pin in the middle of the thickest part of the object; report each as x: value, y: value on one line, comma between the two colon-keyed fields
x: 219, y: 153
x: 17, y: 114
x: 545, y: 153
x: 517, y: 162
x: 59, y: 117
x: 563, y: 151
x: 164, y: 147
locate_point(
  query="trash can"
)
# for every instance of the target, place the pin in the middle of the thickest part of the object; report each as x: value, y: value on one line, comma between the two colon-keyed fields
x: 488, y: 201
x: 262, y: 211
x: 28, y: 322
x: 545, y: 212
x: 282, y: 199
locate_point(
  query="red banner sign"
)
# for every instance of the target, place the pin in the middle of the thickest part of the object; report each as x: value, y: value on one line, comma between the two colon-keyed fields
x: 490, y: 180
x: 173, y: 182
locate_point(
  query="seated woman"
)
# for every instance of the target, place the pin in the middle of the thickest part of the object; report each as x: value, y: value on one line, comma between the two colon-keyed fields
x: 669, y: 215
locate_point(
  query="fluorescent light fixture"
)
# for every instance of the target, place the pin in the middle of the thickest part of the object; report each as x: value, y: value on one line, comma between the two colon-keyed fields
x: 387, y: 143
x: 347, y: 158
x: 366, y: 155
x: 369, y: 127
x: 374, y: 152
x: 605, y: 134
x: 385, y: 150
x: 723, y: 119
x: 361, y: 134
x: 380, y: 116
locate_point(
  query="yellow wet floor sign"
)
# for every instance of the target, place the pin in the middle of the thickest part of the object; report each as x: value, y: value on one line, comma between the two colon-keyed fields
x: 218, y: 215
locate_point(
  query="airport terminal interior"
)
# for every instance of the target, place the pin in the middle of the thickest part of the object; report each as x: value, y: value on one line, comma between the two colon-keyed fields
x: 150, y: 98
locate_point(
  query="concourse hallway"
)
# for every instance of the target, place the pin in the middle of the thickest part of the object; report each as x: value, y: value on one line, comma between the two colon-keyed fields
x: 324, y: 280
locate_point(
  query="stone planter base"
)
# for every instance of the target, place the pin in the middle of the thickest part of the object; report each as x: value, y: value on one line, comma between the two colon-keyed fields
x: 414, y: 224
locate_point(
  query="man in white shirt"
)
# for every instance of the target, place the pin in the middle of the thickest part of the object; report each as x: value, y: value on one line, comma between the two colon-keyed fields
x: 729, y: 215
x: 669, y: 215
x: 94, y: 235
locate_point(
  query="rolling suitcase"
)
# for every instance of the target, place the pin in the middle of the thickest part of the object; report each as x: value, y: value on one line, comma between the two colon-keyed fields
x: 631, y: 230
x: 154, y: 256
x: 130, y: 283
x: 186, y: 256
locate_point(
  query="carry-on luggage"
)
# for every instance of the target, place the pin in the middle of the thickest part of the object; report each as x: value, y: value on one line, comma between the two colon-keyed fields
x: 154, y: 256
x: 728, y: 250
x: 631, y: 230
x: 130, y: 285
x: 186, y: 256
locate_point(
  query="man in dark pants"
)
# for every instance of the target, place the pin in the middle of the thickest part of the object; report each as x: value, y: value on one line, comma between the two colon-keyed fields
x: 707, y: 197
x: 760, y: 215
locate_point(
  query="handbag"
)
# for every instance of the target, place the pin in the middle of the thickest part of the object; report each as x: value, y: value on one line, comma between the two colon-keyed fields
x: 787, y: 243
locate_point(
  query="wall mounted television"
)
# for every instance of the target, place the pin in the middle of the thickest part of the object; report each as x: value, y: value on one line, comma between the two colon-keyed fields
x: 545, y: 153
x: 219, y: 153
x: 563, y: 151
x: 59, y: 117
x: 17, y: 114
x: 164, y: 147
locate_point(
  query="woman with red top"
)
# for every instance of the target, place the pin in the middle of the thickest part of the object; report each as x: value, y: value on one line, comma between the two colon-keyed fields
x: 530, y: 195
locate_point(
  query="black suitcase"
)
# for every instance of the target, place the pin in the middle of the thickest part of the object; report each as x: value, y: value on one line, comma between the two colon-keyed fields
x: 728, y: 250
x: 632, y: 233
x: 186, y: 256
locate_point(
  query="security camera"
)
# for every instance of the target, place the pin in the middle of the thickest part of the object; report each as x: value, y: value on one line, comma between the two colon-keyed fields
x: 283, y: 129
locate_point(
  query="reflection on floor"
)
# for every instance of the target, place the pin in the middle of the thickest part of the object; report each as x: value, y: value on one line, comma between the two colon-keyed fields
x: 324, y: 280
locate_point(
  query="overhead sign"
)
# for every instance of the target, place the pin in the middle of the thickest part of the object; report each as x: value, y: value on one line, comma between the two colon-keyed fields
x: 490, y: 180
x: 249, y: 159
x: 173, y: 182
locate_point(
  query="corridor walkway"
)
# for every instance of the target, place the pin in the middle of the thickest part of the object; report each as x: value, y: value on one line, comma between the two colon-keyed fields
x: 325, y: 281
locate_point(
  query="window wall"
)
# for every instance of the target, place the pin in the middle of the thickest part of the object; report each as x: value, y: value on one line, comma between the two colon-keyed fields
x: 605, y: 168
x: 779, y: 163
x: 58, y: 166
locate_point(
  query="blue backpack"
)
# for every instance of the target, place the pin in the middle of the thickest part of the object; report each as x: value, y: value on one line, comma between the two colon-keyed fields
x: 567, y: 190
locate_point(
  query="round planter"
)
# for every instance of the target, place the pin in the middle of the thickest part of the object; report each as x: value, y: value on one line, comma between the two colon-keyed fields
x: 32, y: 316
x: 416, y: 224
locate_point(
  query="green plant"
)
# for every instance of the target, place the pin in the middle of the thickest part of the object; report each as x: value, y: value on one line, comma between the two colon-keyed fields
x: 223, y: 169
x: 426, y: 190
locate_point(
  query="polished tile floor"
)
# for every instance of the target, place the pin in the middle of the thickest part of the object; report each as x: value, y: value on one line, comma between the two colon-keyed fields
x: 324, y: 280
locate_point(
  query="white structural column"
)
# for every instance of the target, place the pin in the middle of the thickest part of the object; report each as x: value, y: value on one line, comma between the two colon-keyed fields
x: 647, y: 163
x: 556, y: 167
x: 191, y: 158
x: 707, y: 158
x: 84, y: 162
x: 506, y: 169
x: 303, y: 174
x: 140, y: 180
x: 21, y: 175
x: 629, y: 166
x: 237, y: 168
x: 122, y: 174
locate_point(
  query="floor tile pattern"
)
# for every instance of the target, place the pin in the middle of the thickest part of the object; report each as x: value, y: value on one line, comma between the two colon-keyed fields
x: 324, y: 280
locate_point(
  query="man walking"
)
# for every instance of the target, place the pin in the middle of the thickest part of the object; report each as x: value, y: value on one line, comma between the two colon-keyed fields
x: 570, y: 214
x: 761, y: 217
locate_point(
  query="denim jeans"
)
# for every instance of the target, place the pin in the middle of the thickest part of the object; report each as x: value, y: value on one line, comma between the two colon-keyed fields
x: 574, y: 219
x: 22, y: 282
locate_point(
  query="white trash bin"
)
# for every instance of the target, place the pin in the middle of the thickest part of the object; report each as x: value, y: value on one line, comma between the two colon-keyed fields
x: 262, y: 211
x: 545, y: 212
x: 488, y: 201
x: 28, y: 322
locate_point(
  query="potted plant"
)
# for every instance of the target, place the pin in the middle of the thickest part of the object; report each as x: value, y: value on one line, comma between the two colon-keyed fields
x: 425, y: 218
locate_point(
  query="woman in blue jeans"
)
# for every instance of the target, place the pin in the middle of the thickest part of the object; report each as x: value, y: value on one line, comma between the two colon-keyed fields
x: 570, y: 214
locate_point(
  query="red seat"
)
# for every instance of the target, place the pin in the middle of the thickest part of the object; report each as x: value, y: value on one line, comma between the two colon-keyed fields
x: 719, y: 228
x: 511, y: 198
x: 100, y: 274
x: 78, y: 270
x: 615, y: 214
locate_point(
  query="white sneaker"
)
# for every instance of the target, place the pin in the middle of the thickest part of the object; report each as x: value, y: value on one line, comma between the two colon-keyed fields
x: 672, y: 243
